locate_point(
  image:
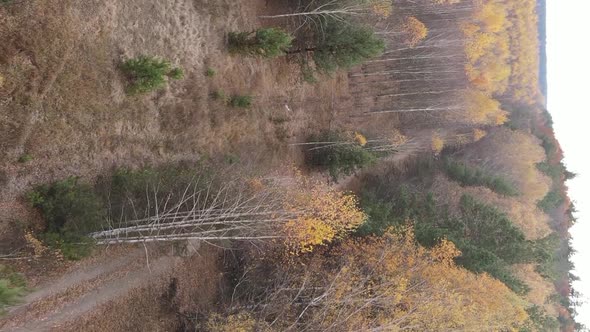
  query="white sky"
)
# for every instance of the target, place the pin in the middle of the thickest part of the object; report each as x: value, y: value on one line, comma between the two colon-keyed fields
x: 569, y: 102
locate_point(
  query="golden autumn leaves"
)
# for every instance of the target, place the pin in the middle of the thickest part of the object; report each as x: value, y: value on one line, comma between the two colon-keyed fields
x: 322, y: 215
x: 416, y: 286
x: 501, y: 48
x: 390, y: 283
x: 416, y: 31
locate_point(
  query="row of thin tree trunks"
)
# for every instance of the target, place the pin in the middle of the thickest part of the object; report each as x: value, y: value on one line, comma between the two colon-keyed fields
x: 424, y: 78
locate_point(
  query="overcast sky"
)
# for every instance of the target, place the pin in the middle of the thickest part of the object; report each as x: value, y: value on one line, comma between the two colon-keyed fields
x: 569, y: 102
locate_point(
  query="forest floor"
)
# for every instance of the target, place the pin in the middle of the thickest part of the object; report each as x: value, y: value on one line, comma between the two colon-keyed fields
x: 91, y: 296
x: 63, y: 104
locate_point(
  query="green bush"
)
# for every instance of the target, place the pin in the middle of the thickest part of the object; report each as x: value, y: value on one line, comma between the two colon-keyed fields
x: 12, y: 287
x: 25, y: 158
x: 341, y: 158
x: 210, y: 72
x: 308, y: 74
x: 240, y: 101
x: 265, y: 42
x: 220, y: 95
x: 71, y: 210
x: 472, y: 176
x: 176, y: 74
x: 147, y: 74
x: 68, y: 206
x: 71, y: 245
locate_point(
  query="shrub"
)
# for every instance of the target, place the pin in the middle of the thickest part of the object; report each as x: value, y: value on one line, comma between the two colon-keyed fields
x: 210, y: 72
x: 308, y: 74
x: 343, y: 157
x: 265, y: 42
x: 176, y: 74
x: 68, y: 205
x: 240, y: 101
x: 12, y: 287
x: 437, y: 144
x: 25, y: 158
x: 219, y: 95
x: 72, y: 246
x: 148, y: 73
x: 71, y: 210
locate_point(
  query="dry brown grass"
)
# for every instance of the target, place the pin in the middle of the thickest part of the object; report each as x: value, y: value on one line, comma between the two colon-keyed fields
x: 64, y: 102
x: 62, y: 99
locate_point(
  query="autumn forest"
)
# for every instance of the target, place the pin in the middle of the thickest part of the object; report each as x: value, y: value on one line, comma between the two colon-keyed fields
x: 252, y: 165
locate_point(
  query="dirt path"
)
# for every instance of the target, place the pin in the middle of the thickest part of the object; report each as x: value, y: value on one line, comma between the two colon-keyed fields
x: 82, y: 291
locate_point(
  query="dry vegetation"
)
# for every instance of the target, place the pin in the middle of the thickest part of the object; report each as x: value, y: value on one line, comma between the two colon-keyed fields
x: 261, y: 246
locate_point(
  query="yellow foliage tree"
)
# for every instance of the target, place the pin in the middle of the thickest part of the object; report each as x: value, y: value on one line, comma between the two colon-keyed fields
x: 390, y: 283
x: 322, y: 215
x: 478, y: 134
x: 470, y: 29
x: 479, y: 45
x: 437, y: 144
x: 482, y: 109
x: 360, y: 139
x: 502, y: 48
x: 382, y: 8
x: 415, y: 30
x: 492, y: 15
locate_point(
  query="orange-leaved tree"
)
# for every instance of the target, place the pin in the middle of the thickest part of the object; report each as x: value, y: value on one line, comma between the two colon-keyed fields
x: 321, y: 215
x: 481, y: 108
x: 415, y: 30
x: 387, y: 283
